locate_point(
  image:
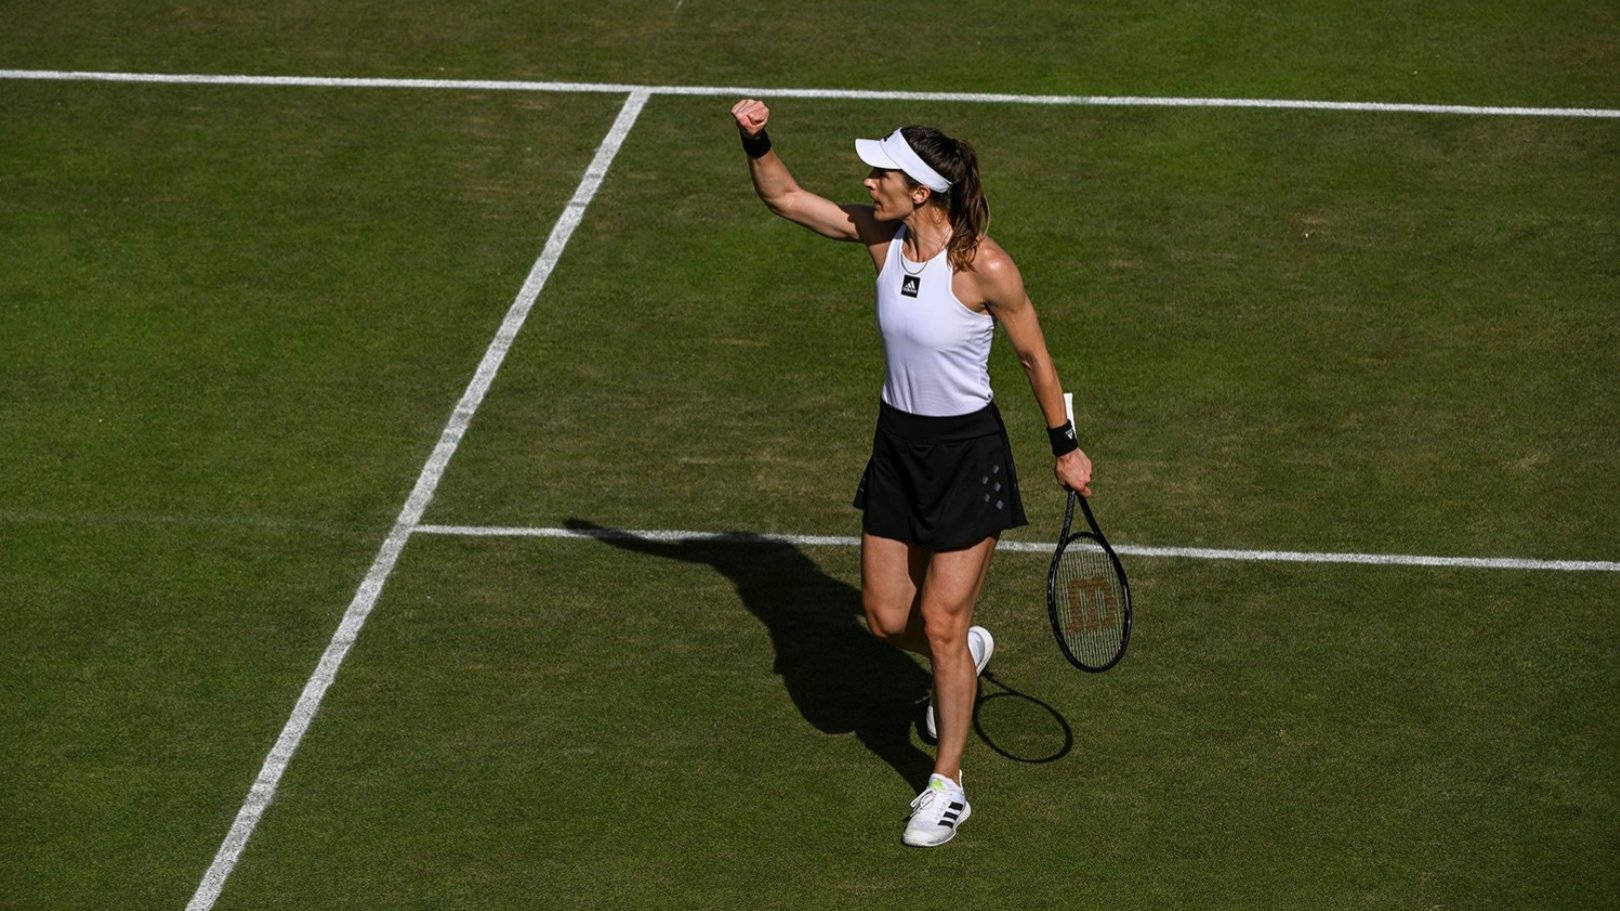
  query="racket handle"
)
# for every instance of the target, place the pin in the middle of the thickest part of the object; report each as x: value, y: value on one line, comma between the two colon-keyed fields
x: 1068, y: 409
x: 1086, y: 508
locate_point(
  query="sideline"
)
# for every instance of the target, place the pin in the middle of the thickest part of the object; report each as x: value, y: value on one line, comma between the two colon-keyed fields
x: 264, y: 786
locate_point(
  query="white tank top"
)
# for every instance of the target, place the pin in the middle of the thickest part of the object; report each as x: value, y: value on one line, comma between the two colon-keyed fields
x: 936, y: 351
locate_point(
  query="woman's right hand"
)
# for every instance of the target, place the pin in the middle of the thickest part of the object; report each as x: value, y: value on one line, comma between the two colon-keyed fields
x: 751, y: 116
x: 1073, y: 470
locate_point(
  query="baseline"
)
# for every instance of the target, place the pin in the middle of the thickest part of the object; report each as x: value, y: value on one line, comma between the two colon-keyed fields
x: 1191, y: 553
x: 504, y: 85
x: 264, y: 786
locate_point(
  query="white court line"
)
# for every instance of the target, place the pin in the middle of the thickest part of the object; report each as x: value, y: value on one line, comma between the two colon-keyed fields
x: 614, y: 88
x: 264, y: 787
x: 1193, y: 553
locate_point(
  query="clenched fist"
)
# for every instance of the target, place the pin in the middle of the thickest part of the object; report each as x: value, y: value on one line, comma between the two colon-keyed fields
x: 751, y: 116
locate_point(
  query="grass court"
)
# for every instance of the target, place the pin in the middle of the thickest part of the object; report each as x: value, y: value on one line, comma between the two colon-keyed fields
x: 235, y: 321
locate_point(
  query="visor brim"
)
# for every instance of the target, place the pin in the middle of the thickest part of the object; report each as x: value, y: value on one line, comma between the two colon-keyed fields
x: 871, y: 152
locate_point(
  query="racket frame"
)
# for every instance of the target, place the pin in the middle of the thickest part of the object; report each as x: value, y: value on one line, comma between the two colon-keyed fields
x: 1095, y: 536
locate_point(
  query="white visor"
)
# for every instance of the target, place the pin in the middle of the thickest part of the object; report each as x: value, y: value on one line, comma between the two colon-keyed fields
x: 894, y: 154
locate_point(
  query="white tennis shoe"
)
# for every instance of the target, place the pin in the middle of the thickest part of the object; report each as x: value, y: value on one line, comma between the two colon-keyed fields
x: 981, y: 645
x: 935, y: 814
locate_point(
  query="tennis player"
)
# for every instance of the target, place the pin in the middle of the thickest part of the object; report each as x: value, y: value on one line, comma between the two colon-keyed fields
x: 940, y: 486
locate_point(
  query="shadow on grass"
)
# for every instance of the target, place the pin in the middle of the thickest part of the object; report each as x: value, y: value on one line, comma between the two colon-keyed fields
x: 1019, y: 726
x: 841, y: 678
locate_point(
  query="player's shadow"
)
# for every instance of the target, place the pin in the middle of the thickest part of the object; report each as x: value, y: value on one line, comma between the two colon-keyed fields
x: 840, y: 677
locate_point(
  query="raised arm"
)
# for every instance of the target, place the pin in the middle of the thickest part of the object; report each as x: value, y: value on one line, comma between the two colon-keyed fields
x: 783, y: 195
x: 1003, y: 289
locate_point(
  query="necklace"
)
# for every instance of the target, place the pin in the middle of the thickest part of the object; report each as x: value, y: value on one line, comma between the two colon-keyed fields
x: 904, y: 261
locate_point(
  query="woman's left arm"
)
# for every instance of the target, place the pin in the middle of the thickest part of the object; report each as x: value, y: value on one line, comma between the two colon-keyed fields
x: 1003, y: 292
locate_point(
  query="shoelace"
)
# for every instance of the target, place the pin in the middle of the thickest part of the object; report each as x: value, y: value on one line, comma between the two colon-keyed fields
x: 922, y: 801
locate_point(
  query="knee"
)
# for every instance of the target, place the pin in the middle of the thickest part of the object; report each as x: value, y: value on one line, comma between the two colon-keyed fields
x: 886, y: 621
x: 946, y: 628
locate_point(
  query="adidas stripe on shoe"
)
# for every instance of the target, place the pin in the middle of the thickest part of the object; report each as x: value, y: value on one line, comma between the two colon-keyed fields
x: 936, y: 813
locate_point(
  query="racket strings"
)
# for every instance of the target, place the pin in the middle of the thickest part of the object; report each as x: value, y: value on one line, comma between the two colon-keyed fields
x: 1089, y: 598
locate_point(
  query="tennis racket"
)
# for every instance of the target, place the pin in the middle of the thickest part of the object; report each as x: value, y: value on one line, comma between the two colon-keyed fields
x: 1087, y: 595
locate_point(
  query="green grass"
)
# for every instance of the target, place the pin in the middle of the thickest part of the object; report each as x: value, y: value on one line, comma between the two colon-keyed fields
x: 236, y: 326
x: 1330, y: 350
x: 233, y: 322
x: 708, y: 726
x: 1561, y: 53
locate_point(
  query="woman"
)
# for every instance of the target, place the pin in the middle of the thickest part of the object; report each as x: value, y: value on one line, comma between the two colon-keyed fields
x: 940, y: 486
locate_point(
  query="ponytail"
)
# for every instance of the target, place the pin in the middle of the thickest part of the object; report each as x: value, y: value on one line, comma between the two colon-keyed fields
x: 964, y: 203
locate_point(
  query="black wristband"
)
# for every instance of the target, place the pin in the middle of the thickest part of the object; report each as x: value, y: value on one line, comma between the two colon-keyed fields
x: 756, y: 146
x: 1063, y: 441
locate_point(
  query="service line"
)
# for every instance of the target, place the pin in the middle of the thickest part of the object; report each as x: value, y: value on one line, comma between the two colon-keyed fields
x: 614, y: 88
x: 410, y: 515
x: 1130, y: 550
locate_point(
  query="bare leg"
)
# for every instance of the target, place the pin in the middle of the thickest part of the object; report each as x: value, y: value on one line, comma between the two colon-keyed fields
x: 949, y: 590
x: 892, y: 574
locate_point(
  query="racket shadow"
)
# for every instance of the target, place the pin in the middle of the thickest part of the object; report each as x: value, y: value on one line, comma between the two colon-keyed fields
x: 841, y: 678
x: 1020, y: 726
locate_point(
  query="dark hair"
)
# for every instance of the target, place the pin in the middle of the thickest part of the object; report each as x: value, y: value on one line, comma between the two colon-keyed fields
x: 964, y: 202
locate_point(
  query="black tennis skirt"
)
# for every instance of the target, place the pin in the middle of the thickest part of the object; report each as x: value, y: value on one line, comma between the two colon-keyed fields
x: 941, y: 483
